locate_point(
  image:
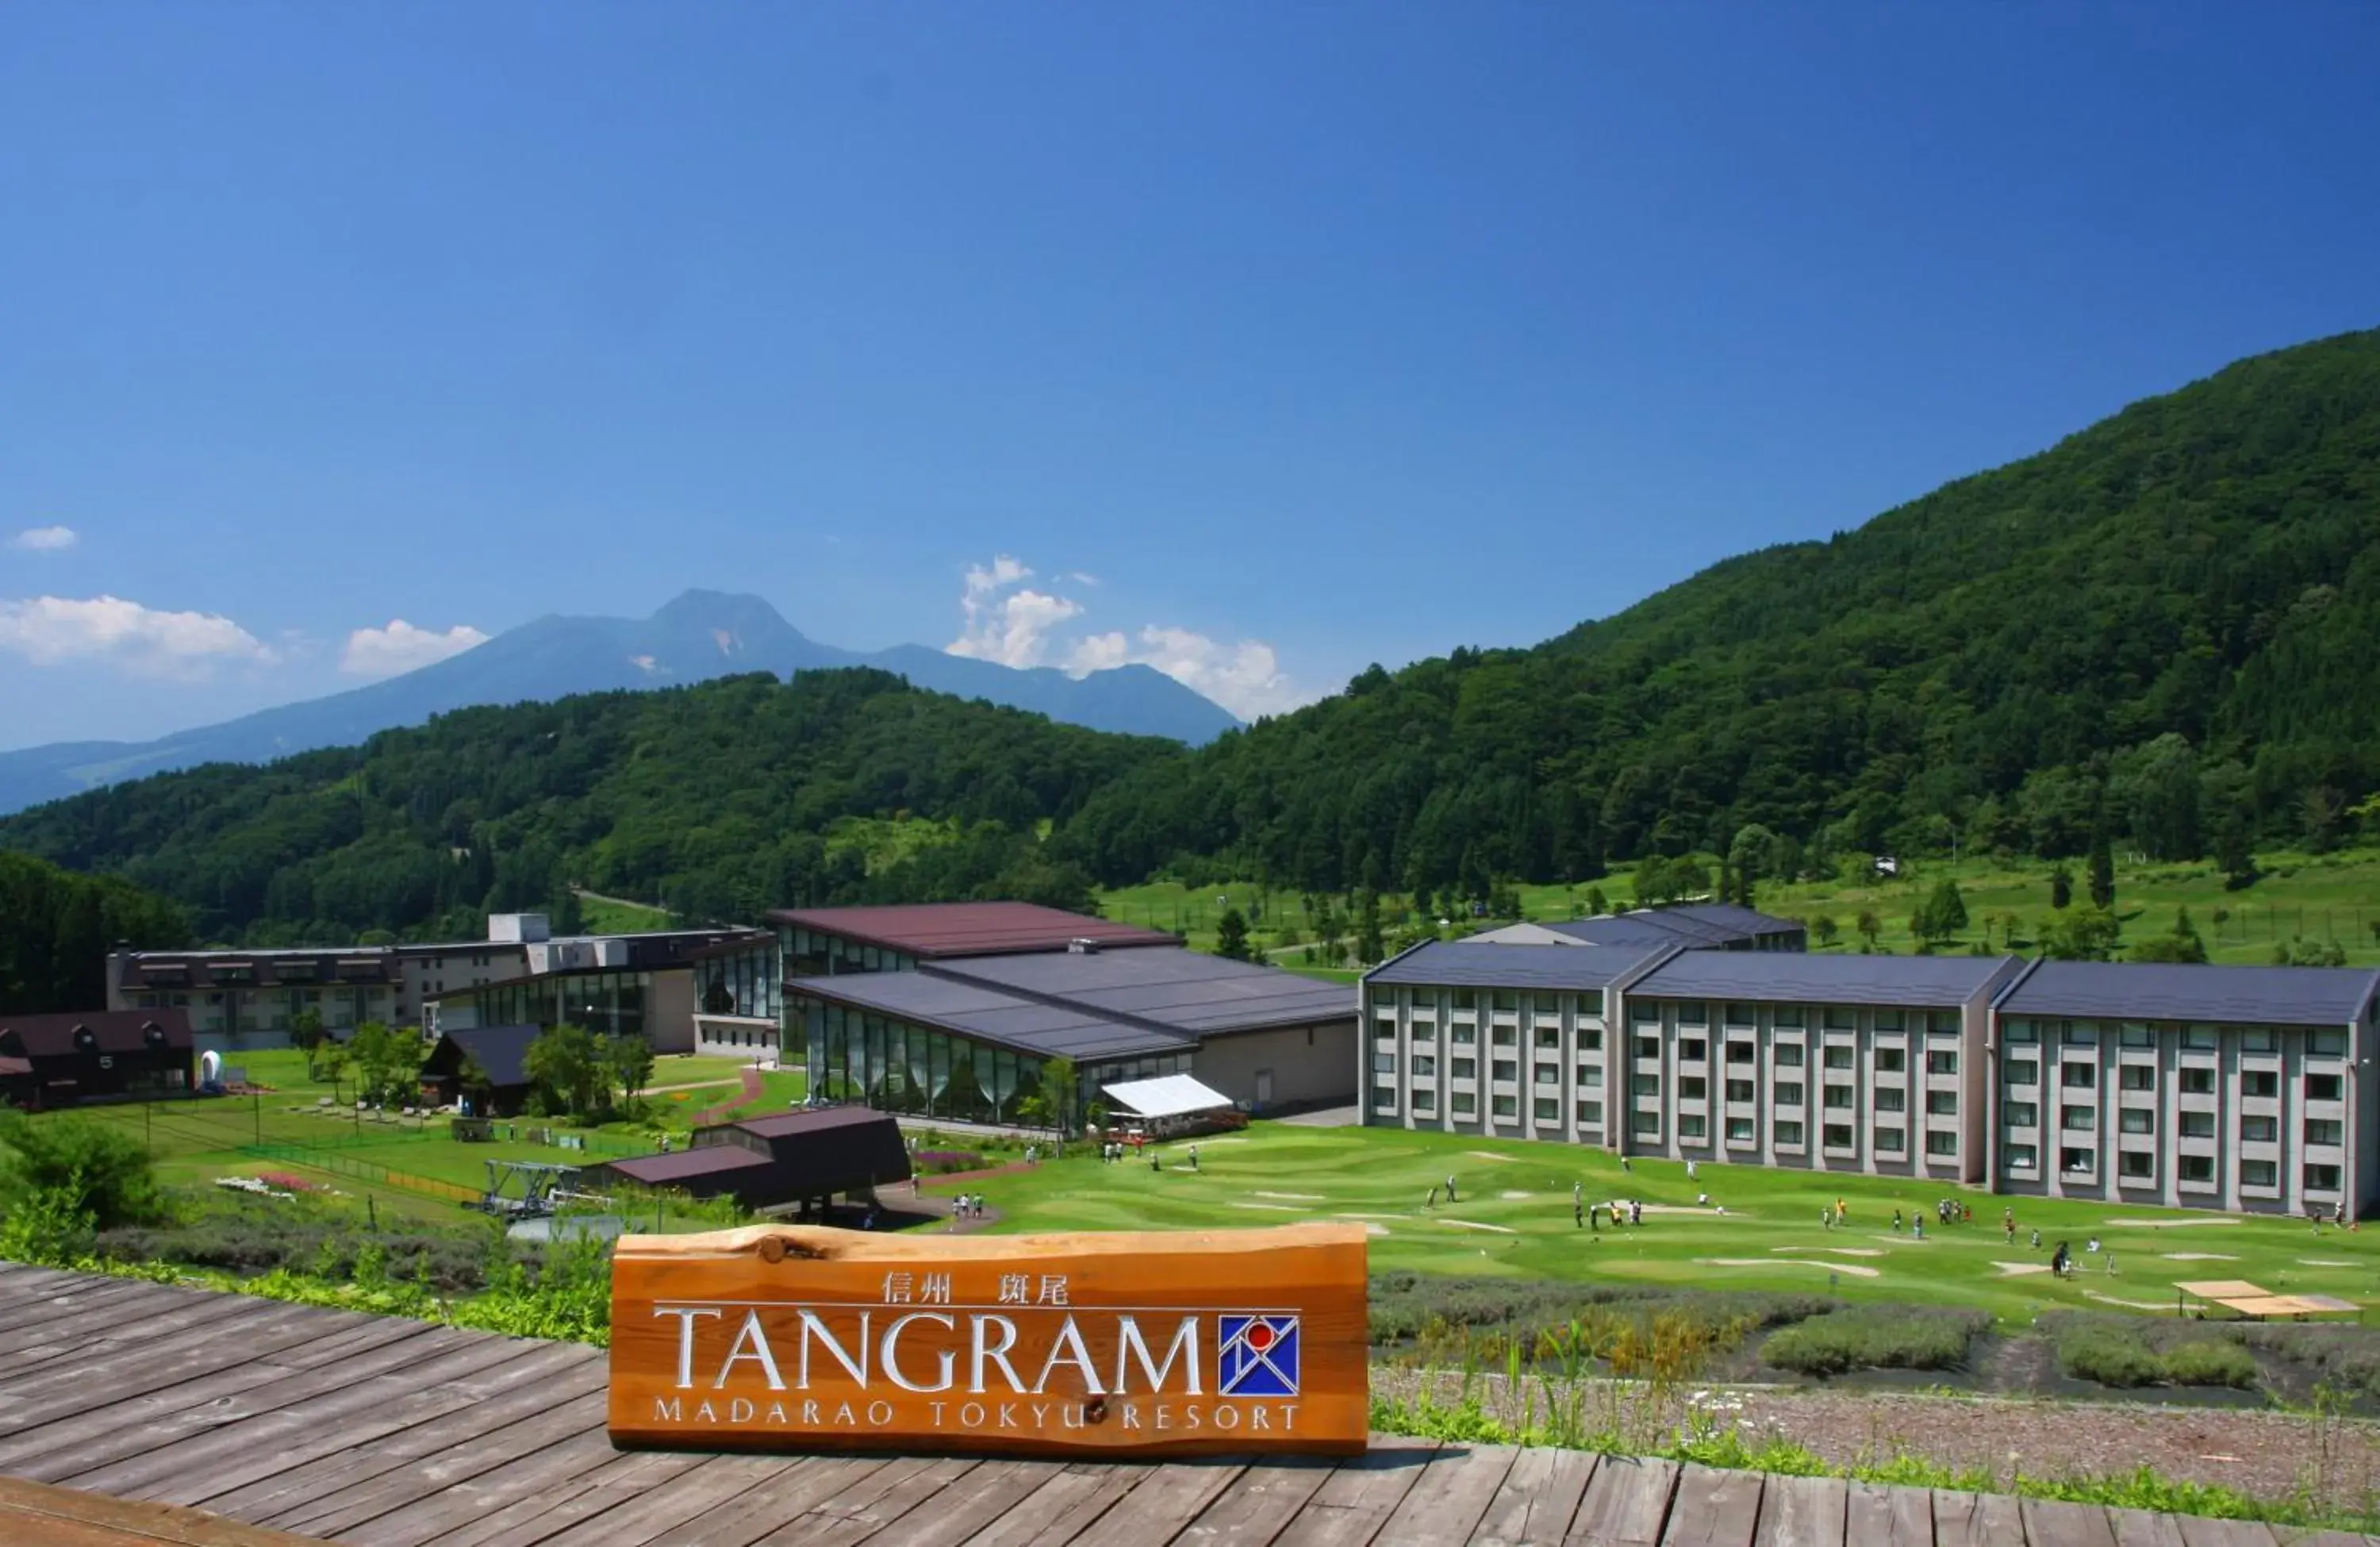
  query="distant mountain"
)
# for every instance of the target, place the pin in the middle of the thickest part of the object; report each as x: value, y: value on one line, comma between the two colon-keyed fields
x: 703, y: 634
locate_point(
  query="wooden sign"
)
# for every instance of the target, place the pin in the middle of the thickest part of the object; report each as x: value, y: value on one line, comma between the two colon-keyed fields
x: 805, y: 1338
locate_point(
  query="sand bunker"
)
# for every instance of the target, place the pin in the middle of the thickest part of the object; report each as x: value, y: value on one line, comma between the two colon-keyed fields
x: 1367, y: 1216
x: 2019, y: 1270
x: 2169, y: 1223
x: 1376, y: 1229
x: 1513, y: 1195
x: 2322, y: 1262
x: 2135, y: 1305
x: 1846, y: 1252
x: 1789, y: 1262
x: 1276, y: 1207
x: 2201, y: 1257
x: 1295, y: 1197
x: 1491, y: 1155
x: 1475, y: 1225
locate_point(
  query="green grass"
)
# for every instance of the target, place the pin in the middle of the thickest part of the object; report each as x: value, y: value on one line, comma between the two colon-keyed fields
x: 2331, y: 896
x: 1769, y: 1240
x: 602, y: 916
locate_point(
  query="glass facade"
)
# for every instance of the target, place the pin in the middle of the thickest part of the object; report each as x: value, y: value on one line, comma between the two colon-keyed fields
x: 607, y: 1004
x: 809, y: 953
x: 743, y: 983
x: 897, y: 1066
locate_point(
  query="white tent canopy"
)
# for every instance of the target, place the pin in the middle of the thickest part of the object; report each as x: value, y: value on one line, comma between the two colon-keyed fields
x: 1166, y: 1096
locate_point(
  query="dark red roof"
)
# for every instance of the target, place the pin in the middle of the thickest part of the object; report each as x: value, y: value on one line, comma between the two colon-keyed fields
x: 709, y: 1160
x: 931, y: 930
x: 114, y: 1030
x: 785, y: 1125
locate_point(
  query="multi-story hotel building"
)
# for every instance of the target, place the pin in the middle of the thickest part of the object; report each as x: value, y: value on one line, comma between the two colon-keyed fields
x: 2217, y: 1087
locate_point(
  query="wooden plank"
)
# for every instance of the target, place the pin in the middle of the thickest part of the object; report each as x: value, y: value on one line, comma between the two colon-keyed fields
x: 480, y: 1507
x: 33, y: 1512
x: 2305, y: 1536
x: 1714, y: 1508
x: 1101, y: 1345
x: 1538, y: 1499
x: 531, y: 1520
x: 1626, y: 1504
x: 112, y: 1373
x: 993, y: 1489
x: 2139, y: 1528
x: 1360, y: 1494
x: 1063, y: 1506
x: 552, y: 1393
x: 1975, y: 1519
x: 2051, y: 1523
x: 800, y: 1486
x: 180, y: 1410
x: 2199, y: 1532
x: 892, y: 1492
x: 1166, y: 1499
x: 1878, y: 1515
x: 163, y: 1311
x: 655, y: 1515
x: 99, y: 1306
x: 1452, y: 1498
x: 1260, y: 1505
x: 1811, y: 1512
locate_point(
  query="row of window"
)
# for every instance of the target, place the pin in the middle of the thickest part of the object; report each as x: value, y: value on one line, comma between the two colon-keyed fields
x: 2140, y: 1165
x: 2189, y: 1079
x: 2254, y: 1128
x: 2142, y: 1034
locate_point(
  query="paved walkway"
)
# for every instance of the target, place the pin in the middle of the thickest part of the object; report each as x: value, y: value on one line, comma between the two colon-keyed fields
x: 749, y: 1089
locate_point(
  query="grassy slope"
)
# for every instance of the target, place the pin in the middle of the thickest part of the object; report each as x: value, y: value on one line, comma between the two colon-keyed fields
x: 1278, y: 1173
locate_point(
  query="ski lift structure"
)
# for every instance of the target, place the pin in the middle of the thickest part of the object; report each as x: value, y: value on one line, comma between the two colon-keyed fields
x: 531, y: 1190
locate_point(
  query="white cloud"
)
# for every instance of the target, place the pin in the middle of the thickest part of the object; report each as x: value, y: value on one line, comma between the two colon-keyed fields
x: 1079, y: 577
x: 1245, y: 677
x: 44, y: 540
x: 1013, y: 629
x: 401, y: 647
x: 51, y: 630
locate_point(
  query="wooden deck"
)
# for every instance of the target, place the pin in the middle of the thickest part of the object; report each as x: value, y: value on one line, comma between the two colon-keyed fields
x: 393, y: 1433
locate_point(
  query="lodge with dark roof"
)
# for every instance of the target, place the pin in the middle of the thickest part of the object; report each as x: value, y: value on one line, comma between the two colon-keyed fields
x: 59, y: 1060
x: 793, y: 1158
x: 2185, y: 1086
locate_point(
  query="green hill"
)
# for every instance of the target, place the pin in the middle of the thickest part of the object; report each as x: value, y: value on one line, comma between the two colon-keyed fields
x: 57, y: 928
x: 716, y: 797
x: 2163, y: 624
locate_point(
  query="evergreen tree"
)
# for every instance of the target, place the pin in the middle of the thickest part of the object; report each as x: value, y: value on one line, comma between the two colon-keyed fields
x: 1370, y: 946
x: 2184, y: 943
x: 1597, y: 903
x: 1869, y: 927
x: 2061, y: 886
x: 1942, y: 915
x: 2234, y: 854
x: 2102, y: 865
x: 1232, y: 935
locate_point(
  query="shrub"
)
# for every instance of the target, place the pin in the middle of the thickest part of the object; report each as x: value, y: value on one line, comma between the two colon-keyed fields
x: 100, y: 1170
x: 2210, y: 1362
x: 937, y: 1163
x: 2111, y: 1356
x: 1875, y: 1337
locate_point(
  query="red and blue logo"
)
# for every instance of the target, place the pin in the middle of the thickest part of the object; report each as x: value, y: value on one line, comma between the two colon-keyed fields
x: 1256, y: 1355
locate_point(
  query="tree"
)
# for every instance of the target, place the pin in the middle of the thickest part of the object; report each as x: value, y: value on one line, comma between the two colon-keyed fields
x: 97, y: 1169
x: 564, y: 1064
x: 1059, y: 1082
x: 1869, y: 927
x: 2234, y: 853
x: 2082, y: 934
x: 628, y: 1065
x: 1232, y: 935
x: 1597, y: 903
x: 2102, y: 865
x: 2299, y: 951
x: 1942, y: 915
x: 2061, y: 886
x: 473, y: 1082
x: 1370, y: 946
x: 2182, y: 943
x: 1825, y: 928
x: 384, y: 1062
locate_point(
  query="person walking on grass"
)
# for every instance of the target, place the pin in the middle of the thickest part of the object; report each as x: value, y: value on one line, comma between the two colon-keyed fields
x: 1896, y: 1222
x: 2008, y: 1223
x: 1194, y: 1157
x: 1449, y: 1187
x: 1842, y: 1211
x: 1577, y: 1212
x: 1433, y: 1197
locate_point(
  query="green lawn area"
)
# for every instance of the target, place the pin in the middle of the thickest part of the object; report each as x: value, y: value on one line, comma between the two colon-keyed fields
x: 603, y: 916
x: 1514, y: 1220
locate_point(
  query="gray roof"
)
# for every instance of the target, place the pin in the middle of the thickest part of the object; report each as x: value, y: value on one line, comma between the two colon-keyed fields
x: 1795, y: 977
x: 1173, y: 989
x: 1476, y: 964
x: 2189, y: 991
x: 1688, y: 924
x: 974, y: 1010
x: 1625, y: 930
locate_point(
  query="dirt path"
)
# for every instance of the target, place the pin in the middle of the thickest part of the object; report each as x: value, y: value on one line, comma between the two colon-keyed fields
x: 750, y: 1079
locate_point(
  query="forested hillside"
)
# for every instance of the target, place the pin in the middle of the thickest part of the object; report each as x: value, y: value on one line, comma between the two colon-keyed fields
x: 56, y: 929
x: 713, y: 797
x: 2166, y: 624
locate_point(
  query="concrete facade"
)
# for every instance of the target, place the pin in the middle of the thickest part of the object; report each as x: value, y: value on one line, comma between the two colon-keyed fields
x: 1296, y: 1066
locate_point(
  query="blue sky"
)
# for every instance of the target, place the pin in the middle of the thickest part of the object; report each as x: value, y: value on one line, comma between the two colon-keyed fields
x: 1274, y: 340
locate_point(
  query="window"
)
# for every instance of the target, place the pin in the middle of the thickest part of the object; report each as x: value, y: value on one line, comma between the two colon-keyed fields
x: 2021, y: 1157
x: 1693, y: 1050
x: 2260, y: 1174
x: 1466, y: 1104
x: 1785, y: 1015
x: 1425, y: 1067
x: 2326, y: 1045
x: 2022, y: 1031
x: 1385, y: 1028
x: 2021, y: 1114
x: 2259, y: 1039
x: 1424, y: 1100
x: 1384, y: 1098
x: 2075, y: 1161
x: 2199, y: 1039
x: 1504, y: 1070
x: 1645, y: 1012
x: 1507, y: 1106
x: 1836, y: 1136
x: 1941, y: 1141
x: 1550, y: 1036
x: 1740, y: 1090
x: 1383, y: 1063
x: 1549, y: 1109
x: 2196, y: 1168
x: 1839, y: 1055
x: 1788, y: 1135
x: 2322, y: 1178
x: 1550, y: 1074
x: 1590, y: 1079
x: 2136, y: 1076
x: 1590, y: 1002
x: 1839, y: 1097
x: 1590, y: 1040
x: 1838, y: 1017
x: 1464, y: 1068
x: 2136, y: 1119
x: 1890, y: 1141
x: 1887, y: 1020
x: 2259, y: 1082
x: 1692, y: 1012
x: 1943, y: 1023
x: 1789, y: 1093
x: 2078, y: 1119
x: 2197, y: 1081
x: 2079, y: 1033
x: 1738, y: 1130
x: 1424, y: 1031
x: 1693, y: 1087
x: 1548, y: 1004
x: 1891, y: 1098
x: 1505, y: 1036
x: 1891, y: 1060
x: 2325, y: 1130
x: 1464, y: 1034
x: 2198, y: 1125
x: 2259, y: 1130
x: 1690, y: 1124
x: 1644, y: 1124
x: 1942, y: 1061
x: 1739, y: 1052
x: 1591, y: 1113
x: 1942, y: 1103
x: 2023, y: 1071
x: 1648, y: 1047
x: 1466, y: 999
x: 1740, y: 1015
x: 2321, y: 1088
x: 1788, y: 1055
x: 2137, y: 1035
x: 2078, y: 1076
x: 1645, y: 1085
x: 2136, y: 1165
